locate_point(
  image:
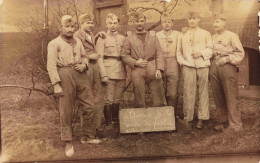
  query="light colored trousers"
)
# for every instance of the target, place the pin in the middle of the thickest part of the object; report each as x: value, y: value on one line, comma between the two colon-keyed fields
x: 171, y: 77
x: 114, y: 91
x: 194, y: 78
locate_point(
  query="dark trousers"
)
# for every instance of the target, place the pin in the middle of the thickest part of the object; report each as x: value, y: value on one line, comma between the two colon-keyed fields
x: 75, y: 86
x: 225, y: 90
x: 140, y: 77
x: 98, y: 92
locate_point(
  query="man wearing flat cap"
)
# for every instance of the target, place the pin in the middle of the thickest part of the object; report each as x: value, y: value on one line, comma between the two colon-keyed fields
x: 113, y: 73
x: 86, y: 22
x: 193, y: 54
x: 142, y: 52
x: 66, y: 65
x: 228, y: 53
x: 168, y: 39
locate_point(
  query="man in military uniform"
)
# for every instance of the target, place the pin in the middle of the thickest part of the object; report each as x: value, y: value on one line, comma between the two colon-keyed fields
x: 168, y: 39
x: 113, y: 72
x: 87, y: 38
x: 228, y: 52
x: 193, y: 54
x: 66, y: 63
x: 142, y: 52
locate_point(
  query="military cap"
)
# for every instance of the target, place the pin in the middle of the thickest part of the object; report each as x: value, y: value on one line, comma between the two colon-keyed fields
x: 137, y: 16
x: 67, y: 19
x: 166, y: 17
x: 86, y: 17
x: 219, y: 16
x: 193, y: 13
x: 111, y: 17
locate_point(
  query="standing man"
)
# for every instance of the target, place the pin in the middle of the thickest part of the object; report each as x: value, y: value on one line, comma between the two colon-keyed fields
x: 87, y: 38
x: 228, y: 52
x: 66, y: 63
x: 194, y: 53
x: 168, y: 39
x: 142, y: 52
x: 113, y: 72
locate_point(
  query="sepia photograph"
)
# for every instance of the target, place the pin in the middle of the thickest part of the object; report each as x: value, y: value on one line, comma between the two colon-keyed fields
x: 130, y: 80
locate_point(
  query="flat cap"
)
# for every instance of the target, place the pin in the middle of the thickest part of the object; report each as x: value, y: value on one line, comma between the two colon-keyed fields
x: 219, y: 16
x: 67, y: 19
x: 86, y: 17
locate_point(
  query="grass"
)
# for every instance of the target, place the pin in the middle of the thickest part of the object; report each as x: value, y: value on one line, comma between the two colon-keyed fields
x: 32, y: 133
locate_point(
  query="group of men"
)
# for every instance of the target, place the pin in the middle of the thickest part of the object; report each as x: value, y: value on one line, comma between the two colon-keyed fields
x: 92, y: 70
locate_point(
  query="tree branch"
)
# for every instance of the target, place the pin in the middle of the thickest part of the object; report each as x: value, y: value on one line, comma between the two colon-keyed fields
x: 27, y: 88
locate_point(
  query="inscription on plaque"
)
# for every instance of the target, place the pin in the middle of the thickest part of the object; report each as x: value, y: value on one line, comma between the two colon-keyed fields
x: 149, y: 119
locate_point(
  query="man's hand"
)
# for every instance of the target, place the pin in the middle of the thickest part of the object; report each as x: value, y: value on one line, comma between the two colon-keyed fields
x: 141, y: 63
x: 80, y: 67
x: 222, y: 61
x: 105, y: 80
x: 58, y: 90
x: 158, y: 74
x: 94, y: 56
x: 101, y: 34
x: 196, y: 54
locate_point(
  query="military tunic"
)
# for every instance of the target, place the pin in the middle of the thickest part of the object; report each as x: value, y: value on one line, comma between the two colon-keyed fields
x: 134, y: 48
x: 224, y: 78
x: 111, y: 66
x: 171, y: 75
x: 88, y: 41
x: 195, y: 71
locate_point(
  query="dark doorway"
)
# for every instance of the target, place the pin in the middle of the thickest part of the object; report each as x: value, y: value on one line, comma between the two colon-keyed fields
x: 254, y: 66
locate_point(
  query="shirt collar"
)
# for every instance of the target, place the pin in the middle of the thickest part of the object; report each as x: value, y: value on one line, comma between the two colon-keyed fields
x: 112, y: 33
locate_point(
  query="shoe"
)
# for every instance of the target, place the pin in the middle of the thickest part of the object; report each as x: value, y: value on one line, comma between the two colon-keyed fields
x: 69, y: 150
x: 110, y: 132
x: 199, y: 124
x: 93, y: 141
x: 83, y: 140
x: 219, y: 127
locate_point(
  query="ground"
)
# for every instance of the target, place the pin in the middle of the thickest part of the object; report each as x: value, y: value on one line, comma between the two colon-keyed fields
x: 31, y: 132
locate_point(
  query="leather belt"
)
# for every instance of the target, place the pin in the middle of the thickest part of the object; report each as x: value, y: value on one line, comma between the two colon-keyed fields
x: 119, y: 58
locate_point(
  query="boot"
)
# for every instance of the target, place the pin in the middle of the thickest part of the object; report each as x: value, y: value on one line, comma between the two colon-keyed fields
x: 109, y: 130
x: 107, y: 114
x: 115, y: 113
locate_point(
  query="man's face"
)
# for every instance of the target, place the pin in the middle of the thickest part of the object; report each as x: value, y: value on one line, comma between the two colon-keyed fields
x: 167, y: 24
x: 193, y: 21
x: 219, y: 25
x: 68, y: 29
x: 112, y: 25
x: 140, y: 23
x: 88, y: 26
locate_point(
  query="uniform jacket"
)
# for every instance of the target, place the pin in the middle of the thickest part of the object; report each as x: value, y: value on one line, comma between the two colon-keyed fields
x: 169, y: 48
x: 194, y: 39
x: 110, y: 63
x: 89, y: 45
x: 61, y: 53
x: 135, y: 49
x: 229, y: 43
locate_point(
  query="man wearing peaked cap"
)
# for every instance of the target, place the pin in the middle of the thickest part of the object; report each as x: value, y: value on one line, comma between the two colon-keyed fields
x: 86, y: 36
x: 194, y: 51
x: 113, y: 73
x: 228, y: 52
x: 168, y: 39
x: 66, y: 63
x: 142, y: 52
